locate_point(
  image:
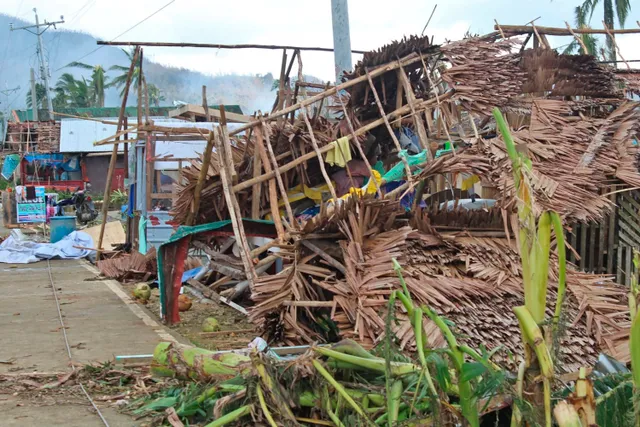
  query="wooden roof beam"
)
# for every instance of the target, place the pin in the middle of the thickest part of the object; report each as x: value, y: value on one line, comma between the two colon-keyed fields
x: 511, y: 30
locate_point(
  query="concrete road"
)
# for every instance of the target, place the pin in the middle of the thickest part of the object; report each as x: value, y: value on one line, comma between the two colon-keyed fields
x: 101, y: 322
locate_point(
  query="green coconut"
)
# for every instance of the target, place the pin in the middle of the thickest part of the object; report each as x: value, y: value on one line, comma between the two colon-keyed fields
x: 142, y: 291
x: 210, y: 324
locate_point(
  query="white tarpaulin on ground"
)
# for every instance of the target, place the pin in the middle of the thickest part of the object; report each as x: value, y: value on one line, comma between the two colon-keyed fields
x: 16, y: 251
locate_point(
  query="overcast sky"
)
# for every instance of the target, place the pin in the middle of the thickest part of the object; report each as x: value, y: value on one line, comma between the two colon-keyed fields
x: 300, y: 22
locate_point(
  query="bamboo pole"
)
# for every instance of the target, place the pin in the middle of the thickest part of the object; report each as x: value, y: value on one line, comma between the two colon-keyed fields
x: 232, y: 205
x: 273, y: 194
x: 434, y: 89
x: 206, y: 161
x: 407, y: 60
x: 221, y: 46
x: 283, y: 190
x: 511, y: 30
x: 578, y: 39
x: 359, y: 146
x: 256, y: 193
x: 360, y: 131
x: 114, y: 153
x: 389, y: 128
x: 113, y: 138
x: 613, y: 39
x: 314, y: 143
x: 411, y: 99
x: 91, y: 119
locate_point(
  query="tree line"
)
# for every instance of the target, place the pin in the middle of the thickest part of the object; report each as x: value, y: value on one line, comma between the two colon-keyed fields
x: 70, y: 92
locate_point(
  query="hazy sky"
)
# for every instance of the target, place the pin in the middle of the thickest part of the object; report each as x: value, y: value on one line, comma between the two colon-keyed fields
x: 299, y: 22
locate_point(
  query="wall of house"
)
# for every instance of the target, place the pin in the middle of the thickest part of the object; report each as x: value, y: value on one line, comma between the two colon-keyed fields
x: 96, y: 169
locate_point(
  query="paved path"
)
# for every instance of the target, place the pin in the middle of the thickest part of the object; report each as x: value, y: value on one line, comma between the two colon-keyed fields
x: 101, y: 322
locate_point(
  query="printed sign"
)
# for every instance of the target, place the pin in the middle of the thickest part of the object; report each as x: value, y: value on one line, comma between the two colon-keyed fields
x: 30, y: 204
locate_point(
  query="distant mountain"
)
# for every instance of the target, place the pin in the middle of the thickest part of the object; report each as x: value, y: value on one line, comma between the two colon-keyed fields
x: 18, y: 54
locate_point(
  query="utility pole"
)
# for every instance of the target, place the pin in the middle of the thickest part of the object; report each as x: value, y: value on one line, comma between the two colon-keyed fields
x: 44, y: 67
x: 34, y: 99
x: 341, y: 38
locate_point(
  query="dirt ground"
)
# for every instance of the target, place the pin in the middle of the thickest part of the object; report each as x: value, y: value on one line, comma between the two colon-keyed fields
x: 235, y: 330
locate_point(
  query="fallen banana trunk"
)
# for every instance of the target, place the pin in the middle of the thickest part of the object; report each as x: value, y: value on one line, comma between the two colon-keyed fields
x: 185, y: 362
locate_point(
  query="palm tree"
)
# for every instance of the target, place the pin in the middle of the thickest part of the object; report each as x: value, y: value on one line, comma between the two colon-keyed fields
x: 41, y: 94
x: 98, y: 82
x: 72, y: 92
x: 121, y: 80
x: 155, y: 95
x: 619, y: 8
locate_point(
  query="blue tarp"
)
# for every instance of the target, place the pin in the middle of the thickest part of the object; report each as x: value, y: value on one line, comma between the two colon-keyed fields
x: 54, y: 159
x: 10, y: 164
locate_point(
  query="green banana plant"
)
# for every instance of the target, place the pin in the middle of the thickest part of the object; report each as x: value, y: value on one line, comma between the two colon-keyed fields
x: 535, y: 247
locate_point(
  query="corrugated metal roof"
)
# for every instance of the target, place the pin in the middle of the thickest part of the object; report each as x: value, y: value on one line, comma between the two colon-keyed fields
x: 78, y: 136
x: 25, y: 115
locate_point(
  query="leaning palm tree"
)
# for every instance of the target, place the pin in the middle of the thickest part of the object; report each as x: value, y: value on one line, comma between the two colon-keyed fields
x: 155, y: 95
x: 76, y: 93
x: 98, y: 82
x: 121, y: 79
x: 612, y: 8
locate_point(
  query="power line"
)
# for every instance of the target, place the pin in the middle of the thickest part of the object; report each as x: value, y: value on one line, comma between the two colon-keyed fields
x: 76, y: 17
x: 44, y: 67
x: 122, y: 34
x: 4, y: 58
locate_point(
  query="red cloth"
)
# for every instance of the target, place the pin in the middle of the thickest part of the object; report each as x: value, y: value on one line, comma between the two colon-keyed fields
x: 359, y: 172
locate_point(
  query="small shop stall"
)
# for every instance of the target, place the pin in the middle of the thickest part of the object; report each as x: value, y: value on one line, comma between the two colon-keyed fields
x: 53, y: 170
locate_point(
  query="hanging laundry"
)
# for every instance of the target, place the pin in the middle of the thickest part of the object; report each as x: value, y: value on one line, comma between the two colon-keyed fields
x: 340, y: 155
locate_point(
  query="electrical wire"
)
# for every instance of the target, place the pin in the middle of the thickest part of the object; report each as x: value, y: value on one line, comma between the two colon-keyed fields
x: 66, y: 342
x: 4, y: 58
x: 123, y: 33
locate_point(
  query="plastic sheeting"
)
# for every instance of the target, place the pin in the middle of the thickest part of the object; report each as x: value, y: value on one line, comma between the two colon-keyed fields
x: 16, y: 251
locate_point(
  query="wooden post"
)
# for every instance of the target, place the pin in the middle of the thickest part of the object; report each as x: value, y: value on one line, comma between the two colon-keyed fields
x: 390, y: 129
x: 205, y: 104
x: 114, y: 153
x: 126, y: 151
x: 139, y: 90
x: 150, y: 154
x: 283, y: 67
x: 611, y: 238
x: 206, y: 160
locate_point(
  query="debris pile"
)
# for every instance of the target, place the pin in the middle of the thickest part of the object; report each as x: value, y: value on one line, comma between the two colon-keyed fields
x: 417, y: 198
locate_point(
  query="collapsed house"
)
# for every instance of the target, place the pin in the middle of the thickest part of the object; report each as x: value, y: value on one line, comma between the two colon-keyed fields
x: 408, y: 166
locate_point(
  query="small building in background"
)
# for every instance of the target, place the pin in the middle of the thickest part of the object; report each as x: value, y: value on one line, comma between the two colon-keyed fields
x: 60, y: 154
